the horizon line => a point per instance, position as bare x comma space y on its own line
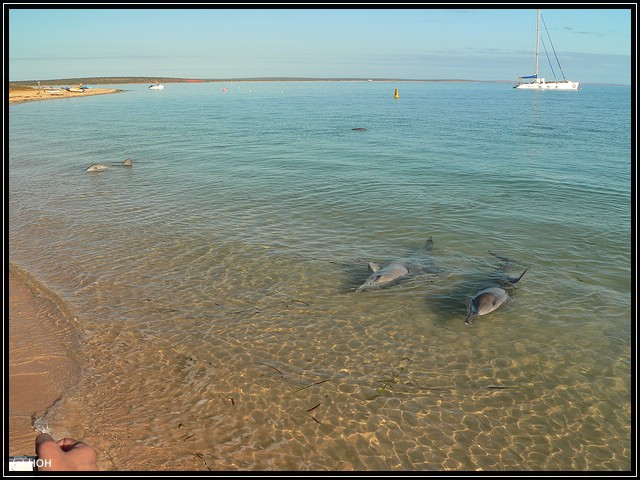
146, 79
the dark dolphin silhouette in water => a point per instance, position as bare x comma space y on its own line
101, 167
395, 272
489, 299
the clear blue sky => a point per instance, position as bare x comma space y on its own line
593, 44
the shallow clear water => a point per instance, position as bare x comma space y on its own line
213, 282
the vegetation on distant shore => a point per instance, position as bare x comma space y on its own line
17, 87
125, 80
95, 81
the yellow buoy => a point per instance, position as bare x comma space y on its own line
395, 95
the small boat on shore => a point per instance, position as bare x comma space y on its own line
75, 89
156, 86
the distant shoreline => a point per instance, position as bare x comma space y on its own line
150, 80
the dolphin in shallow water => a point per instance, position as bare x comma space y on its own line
101, 167
393, 273
489, 299
97, 167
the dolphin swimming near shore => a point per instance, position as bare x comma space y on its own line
393, 273
489, 299
97, 167
101, 167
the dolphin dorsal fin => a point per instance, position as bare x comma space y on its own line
374, 267
521, 275
428, 245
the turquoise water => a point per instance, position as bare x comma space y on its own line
213, 282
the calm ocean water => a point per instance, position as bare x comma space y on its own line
213, 282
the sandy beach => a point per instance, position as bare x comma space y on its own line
42, 343
28, 94
42, 347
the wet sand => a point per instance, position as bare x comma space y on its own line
42, 347
27, 94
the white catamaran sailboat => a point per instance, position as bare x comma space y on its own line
534, 82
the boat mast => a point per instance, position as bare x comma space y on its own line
537, 40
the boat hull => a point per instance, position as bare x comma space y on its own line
567, 85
